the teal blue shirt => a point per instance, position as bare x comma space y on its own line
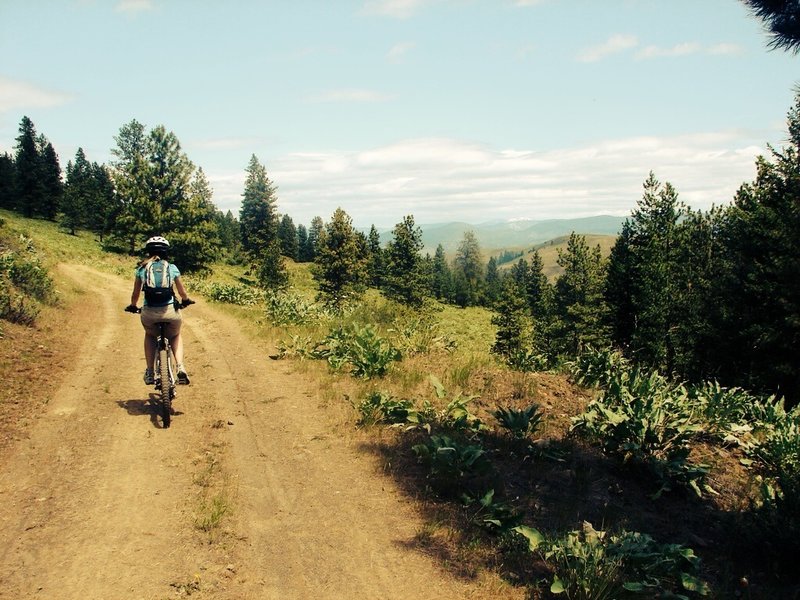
174, 273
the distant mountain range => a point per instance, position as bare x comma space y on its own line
511, 235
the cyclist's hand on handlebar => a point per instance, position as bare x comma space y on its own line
131, 308
186, 302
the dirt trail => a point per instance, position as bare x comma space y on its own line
99, 502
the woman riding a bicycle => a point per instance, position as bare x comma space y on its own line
155, 276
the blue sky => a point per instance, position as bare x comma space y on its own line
470, 110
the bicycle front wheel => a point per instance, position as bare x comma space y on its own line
166, 400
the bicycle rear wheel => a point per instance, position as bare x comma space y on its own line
166, 398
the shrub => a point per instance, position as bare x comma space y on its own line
592, 564
520, 423
597, 367
452, 465
381, 407
368, 354
241, 295
286, 308
646, 420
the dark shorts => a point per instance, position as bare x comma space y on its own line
153, 315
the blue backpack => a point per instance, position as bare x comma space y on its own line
157, 283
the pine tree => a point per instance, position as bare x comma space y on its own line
340, 268
139, 216
51, 183
494, 281
404, 280
441, 284
302, 242
160, 192
643, 277
8, 182
104, 206
74, 204
468, 266
580, 307
377, 261
312, 244
287, 235
758, 285
539, 292
229, 235
258, 219
514, 330
28, 170
194, 235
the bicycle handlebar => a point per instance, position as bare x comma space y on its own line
136, 309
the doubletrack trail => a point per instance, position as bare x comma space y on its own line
97, 501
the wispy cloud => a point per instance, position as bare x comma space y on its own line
399, 51
614, 45
621, 43
350, 95
134, 7
16, 94
688, 49
397, 9
440, 179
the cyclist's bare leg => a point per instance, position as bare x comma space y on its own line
176, 343
150, 347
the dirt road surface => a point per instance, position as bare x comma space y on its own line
248, 495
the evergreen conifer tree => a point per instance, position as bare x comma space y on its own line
340, 267
405, 278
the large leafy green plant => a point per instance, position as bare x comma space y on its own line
596, 565
647, 420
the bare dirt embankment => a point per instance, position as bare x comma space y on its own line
250, 494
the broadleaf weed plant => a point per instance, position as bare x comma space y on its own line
645, 419
520, 423
597, 565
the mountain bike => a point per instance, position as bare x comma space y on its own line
164, 371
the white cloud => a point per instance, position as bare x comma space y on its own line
350, 95
133, 7
398, 9
439, 179
614, 45
16, 95
398, 52
688, 49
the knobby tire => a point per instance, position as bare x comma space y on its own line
166, 400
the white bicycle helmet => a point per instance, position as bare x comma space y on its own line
156, 244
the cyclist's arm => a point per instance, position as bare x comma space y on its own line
181, 289
137, 289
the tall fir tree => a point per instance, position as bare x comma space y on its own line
405, 278
8, 182
580, 306
643, 277
29, 191
468, 270
441, 284
514, 328
302, 242
377, 259
258, 220
77, 188
340, 266
287, 234
194, 233
494, 282
758, 286
50, 179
